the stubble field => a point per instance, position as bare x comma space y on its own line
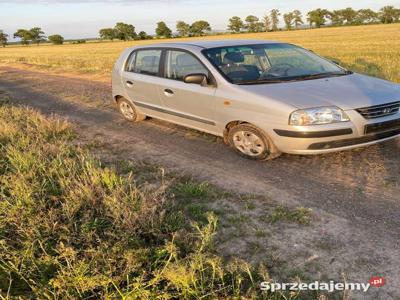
372, 49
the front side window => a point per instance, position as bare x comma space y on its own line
146, 62
263, 63
180, 63
130, 64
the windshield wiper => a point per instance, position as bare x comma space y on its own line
295, 78
260, 81
323, 75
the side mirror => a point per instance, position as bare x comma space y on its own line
196, 79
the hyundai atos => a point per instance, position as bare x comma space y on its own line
262, 97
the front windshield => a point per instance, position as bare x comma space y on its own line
270, 63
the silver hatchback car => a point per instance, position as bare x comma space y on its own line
262, 97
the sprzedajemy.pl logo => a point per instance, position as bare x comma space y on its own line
330, 286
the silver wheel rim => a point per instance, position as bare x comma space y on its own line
248, 143
127, 110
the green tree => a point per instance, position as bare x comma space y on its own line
124, 31
183, 28
389, 14
253, 24
3, 38
37, 35
108, 34
274, 15
298, 19
235, 24
162, 30
56, 39
24, 35
288, 19
144, 36
266, 23
336, 17
365, 16
199, 28
349, 15
317, 17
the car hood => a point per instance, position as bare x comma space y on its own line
347, 92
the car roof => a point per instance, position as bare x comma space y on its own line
205, 44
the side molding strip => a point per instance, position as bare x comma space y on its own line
174, 113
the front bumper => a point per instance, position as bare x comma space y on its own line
359, 132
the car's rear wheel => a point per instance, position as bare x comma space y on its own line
251, 142
129, 111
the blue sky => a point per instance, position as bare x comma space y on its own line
83, 18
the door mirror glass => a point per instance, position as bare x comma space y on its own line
196, 79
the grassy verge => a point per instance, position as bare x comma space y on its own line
72, 228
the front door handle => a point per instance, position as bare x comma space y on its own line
129, 83
168, 92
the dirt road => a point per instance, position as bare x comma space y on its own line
355, 194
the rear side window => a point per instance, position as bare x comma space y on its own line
180, 63
145, 62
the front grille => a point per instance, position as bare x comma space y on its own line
378, 111
354, 141
382, 126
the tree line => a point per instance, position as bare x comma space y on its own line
315, 18
34, 35
269, 22
126, 32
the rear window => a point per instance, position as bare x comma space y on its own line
145, 62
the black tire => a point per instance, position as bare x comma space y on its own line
129, 111
261, 147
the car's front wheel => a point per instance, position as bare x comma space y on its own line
251, 142
129, 111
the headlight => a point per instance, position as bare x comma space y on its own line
318, 116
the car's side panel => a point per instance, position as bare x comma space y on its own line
233, 104
193, 104
163, 114
189, 102
141, 88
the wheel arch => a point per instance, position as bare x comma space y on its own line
117, 97
230, 125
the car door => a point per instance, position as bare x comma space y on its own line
189, 104
141, 77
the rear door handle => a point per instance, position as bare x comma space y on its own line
129, 83
168, 92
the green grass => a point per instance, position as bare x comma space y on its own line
298, 215
72, 228
191, 189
